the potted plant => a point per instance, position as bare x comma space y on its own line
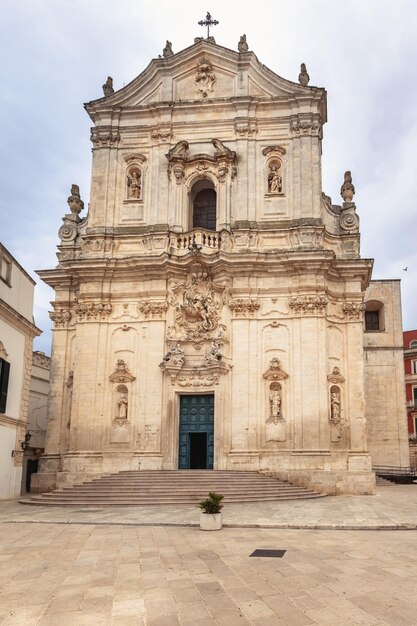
210, 516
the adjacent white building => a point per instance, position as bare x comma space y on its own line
17, 331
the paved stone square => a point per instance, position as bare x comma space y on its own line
67, 565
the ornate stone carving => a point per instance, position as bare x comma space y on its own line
245, 127
244, 307
198, 379
121, 374
213, 353
197, 304
182, 165
60, 317
349, 221
104, 137
205, 78
275, 371
108, 87
353, 310
275, 402
99, 245
303, 77
167, 51
242, 46
347, 190
92, 311
38, 358
68, 232
299, 126
153, 308
134, 157
175, 357
163, 135
336, 376
308, 304
74, 201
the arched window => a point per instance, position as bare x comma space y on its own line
374, 316
204, 200
413, 345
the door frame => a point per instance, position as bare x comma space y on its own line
176, 438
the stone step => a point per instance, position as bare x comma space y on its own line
173, 487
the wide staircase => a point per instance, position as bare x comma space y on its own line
173, 487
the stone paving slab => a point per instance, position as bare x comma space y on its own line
391, 508
108, 575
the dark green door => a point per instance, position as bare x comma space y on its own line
196, 438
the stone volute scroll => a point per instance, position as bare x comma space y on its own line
349, 220
275, 422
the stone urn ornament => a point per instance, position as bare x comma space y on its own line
347, 190
211, 516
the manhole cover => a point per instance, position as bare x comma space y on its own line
278, 554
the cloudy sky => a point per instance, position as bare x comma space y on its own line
56, 54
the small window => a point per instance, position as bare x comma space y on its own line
413, 345
414, 367
415, 396
374, 316
204, 213
4, 384
5, 269
371, 320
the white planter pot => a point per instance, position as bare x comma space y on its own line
210, 521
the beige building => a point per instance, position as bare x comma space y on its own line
209, 308
17, 331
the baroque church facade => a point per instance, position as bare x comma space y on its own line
209, 308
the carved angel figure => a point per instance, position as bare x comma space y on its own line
213, 353
175, 355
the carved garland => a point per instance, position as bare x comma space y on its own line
244, 307
353, 310
60, 317
92, 311
308, 304
153, 308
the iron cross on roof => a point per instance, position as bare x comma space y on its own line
208, 22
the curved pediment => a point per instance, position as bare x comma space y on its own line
204, 71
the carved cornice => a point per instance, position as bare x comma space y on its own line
243, 307
121, 374
274, 150
304, 305
353, 310
92, 311
41, 360
275, 372
134, 157
153, 308
60, 317
336, 377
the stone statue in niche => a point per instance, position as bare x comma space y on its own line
335, 413
213, 354
134, 184
122, 405
347, 190
274, 404
242, 46
274, 178
303, 77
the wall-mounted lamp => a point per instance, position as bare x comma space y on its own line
24, 445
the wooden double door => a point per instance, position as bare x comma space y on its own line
196, 435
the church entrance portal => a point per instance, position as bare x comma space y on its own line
196, 436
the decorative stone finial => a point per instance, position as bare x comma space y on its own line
242, 46
347, 190
167, 51
75, 203
108, 87
303, 77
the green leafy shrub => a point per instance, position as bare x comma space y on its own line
212, 504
